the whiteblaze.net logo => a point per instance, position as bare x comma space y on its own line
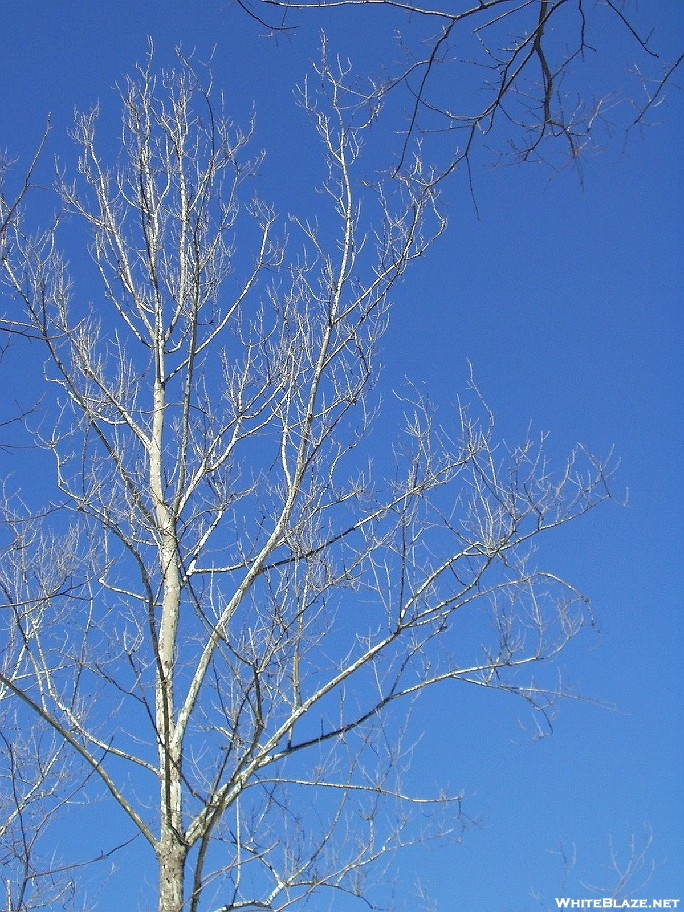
608, 903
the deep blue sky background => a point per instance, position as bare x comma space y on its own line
567, 299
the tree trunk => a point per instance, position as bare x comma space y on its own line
171, 856
171, 848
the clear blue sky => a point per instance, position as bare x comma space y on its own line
567, 300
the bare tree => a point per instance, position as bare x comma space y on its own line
36, 776
9, 207
627, 876
239, 598
10, 210
33, 782
510, 73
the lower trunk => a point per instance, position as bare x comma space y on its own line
171, 856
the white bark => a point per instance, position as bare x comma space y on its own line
251, 601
